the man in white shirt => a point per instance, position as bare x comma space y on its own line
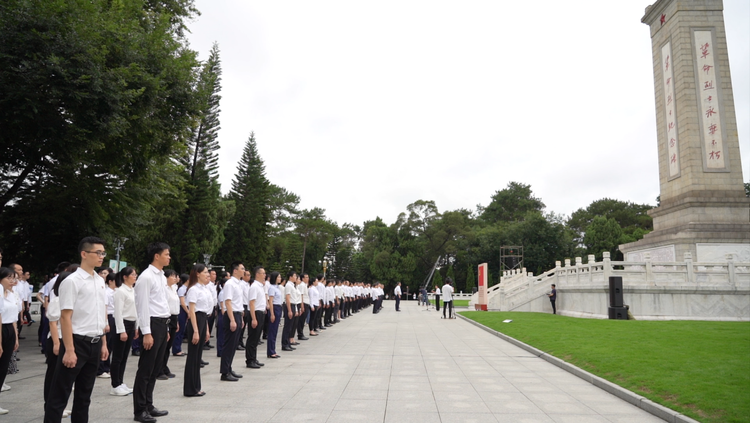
232, 321
314, 306
257, 309
305, 306
290, 312
448, 298
397, 296
215, 312
245, 282
322, 295
83, 320
152, 308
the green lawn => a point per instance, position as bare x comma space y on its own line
460, 303
701, 369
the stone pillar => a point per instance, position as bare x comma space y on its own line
482, 284
703, 208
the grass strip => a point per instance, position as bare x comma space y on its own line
460, 303
698, 368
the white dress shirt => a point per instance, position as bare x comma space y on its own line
84, 294
9, 307
53, 315
201, 297
151, 297
397, 291
321, 291
258, 294
110, 300
245, 292
173, 299
124, 307
304, 292
314, 296
233, 293
447, 293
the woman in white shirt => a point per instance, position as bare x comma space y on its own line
274, 315
200, 305
173, 300
123, 329
9, 315
109, 302
182, 318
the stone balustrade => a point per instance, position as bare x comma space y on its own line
653, 290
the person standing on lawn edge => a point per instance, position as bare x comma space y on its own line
552, 298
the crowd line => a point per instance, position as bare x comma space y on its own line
93, 319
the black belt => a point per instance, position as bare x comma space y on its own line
89, 339
165, 320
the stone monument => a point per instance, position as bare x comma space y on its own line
703, 210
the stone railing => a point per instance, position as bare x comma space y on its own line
654, 290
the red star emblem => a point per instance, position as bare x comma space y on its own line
663, 19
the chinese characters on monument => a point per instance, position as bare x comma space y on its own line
669, 111
707, 92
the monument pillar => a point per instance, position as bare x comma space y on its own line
482, 279
703, 210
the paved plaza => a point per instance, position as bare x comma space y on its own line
409, 367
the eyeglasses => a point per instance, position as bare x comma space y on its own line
98, 253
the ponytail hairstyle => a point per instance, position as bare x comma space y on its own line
112, 277
61, 277
122, 274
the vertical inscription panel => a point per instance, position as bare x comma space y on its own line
709, 103
670, 112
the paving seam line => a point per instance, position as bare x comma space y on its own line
639, 401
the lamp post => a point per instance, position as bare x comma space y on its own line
325, 266
120, 246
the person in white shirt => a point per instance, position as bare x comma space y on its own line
329, 297
181, 318
290, 297
304, 306
152, 308
245, 282
314, 306
9, 317
274, 314
83, 320
448, 298
322, 295
123, 329
397, 295
437, 298
232, 322
109, 291
173, 299
257, 309
200, 305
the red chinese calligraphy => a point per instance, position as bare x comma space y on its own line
666, 63
669, 99
674, 158
707, 68
709, 98
713, 143
714, 155
671, 126
708, 85
710, 112
704, 51
669, 80
671, 142
712, 129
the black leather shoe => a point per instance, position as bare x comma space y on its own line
136, 353
155, 412
206, 347
274, 356
235, 374
162, 377
253, 365
205, 363
302, 338
144, 417
259, 363
287, 349
240, 348
228, 378
171, 375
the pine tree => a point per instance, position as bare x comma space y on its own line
200, 230
470, 279
437, 279
449, 273
246, 235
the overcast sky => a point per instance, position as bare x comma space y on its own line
362, 108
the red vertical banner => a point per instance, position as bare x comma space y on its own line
481, 275
482, 291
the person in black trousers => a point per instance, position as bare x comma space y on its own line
200, 302
174, 325
8, 318
123, 328
552, 298
152, 308
257, 308
232, 321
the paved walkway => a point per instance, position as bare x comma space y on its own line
408, 367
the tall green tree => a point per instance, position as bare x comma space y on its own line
246, 233
511, 204
602, 235
470, 279
632, 218
97, 96
200, 229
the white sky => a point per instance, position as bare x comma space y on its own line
362, 108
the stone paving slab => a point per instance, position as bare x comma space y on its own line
410, 367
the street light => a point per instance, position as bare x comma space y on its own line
120, 246
325, 266
207, 259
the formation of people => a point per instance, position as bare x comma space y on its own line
96, 317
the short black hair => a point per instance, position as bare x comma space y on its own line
320, 276
291, 273
122, 274
5, 272
255, 271
169, 272
554, 285
155, 248
235, 265
88, 242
